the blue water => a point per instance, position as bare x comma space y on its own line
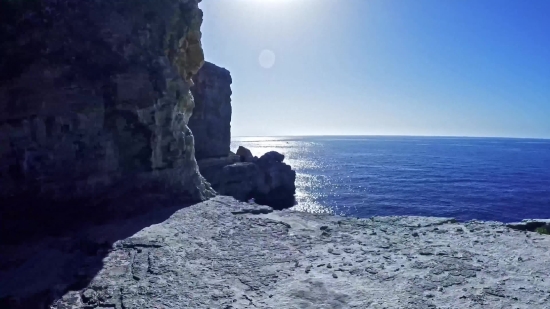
466, 178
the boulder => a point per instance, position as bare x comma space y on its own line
273, 156
278, 187
245, 154
268, 180
240, 180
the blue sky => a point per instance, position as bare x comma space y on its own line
399, 67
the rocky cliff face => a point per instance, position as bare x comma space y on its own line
211, 119
267, 179
95, 101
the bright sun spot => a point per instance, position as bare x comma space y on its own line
267, 58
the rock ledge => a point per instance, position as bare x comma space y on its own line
226, 254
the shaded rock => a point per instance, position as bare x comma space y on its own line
278, 186
272, 156
240, 180
94, 104
211, 119
268, 180
245, 154
212, 169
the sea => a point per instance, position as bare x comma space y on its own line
490, 179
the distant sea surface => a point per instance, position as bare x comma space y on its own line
465, 178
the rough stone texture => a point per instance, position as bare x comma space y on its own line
241, 180
268, 180
226, 254
277, 185
94, 95
211, 119
530, 224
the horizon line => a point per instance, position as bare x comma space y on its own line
392, 135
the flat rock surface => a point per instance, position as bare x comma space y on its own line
226, 254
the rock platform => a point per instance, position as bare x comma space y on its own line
227, 254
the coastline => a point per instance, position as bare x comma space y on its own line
227, 254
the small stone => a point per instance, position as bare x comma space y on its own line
308, 269
334, 275
89, 296
329, 265
415, 234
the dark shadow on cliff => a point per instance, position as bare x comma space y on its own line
48, 250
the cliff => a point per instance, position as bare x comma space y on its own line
94, 106
266, 179
211, 119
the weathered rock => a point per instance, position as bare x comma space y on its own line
211, 119
272, 156
268, 180
225, 254
95, 101
240, 180
245, 154
212, 168
530, 224
278, 186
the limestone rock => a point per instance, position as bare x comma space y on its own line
95, 102
272, 156
226, 254
268, 180
278, 186
211, 119
245, 154
240, 180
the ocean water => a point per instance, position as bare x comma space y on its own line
465, 178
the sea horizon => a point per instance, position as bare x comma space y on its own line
484, 178
394, 135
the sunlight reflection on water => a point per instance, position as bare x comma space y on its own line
465, 178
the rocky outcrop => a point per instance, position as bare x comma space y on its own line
95, 102
226, 254
245, 154
211, 119
267, 179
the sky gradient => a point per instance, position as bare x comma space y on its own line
397, 67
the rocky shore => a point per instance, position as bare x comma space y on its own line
114, 142
227, 254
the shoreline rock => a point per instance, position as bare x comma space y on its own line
267, 179
227, 254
